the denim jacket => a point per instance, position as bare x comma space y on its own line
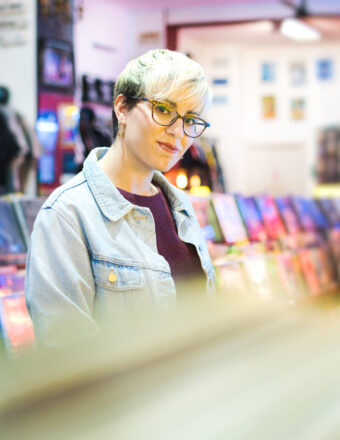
93, 251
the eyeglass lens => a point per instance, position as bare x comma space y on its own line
164, 115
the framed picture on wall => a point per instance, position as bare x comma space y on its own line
56, 65
268, 72
298, 109
297, 73
268, 107
324, 69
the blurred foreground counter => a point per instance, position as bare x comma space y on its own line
214, 369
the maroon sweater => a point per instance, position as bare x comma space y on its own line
182, 257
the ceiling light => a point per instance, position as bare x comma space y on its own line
298, 30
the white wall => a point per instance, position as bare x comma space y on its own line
215, 13
102, 39
276, 156
147, 22
18, 60
155, 20
257, 155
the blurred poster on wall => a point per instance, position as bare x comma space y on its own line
298, 109
268, 72
297, 74
324, 69
268, 107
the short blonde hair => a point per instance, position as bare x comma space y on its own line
160, 74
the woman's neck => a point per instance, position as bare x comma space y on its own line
123, 174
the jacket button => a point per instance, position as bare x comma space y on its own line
112, 277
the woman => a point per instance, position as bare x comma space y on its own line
118, 234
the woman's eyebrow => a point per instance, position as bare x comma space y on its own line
173, 104
192, 113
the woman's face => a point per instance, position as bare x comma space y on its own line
153, 146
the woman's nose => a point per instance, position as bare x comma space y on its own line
176, 128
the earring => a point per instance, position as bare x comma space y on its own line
121, 130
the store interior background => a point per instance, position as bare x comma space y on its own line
277, 156
274, 373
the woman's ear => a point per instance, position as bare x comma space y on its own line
120, 108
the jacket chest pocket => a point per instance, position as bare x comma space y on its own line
117, 277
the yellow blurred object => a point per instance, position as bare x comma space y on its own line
195, 181
112, 277
329, 190
70, 110
181, 180
201, 191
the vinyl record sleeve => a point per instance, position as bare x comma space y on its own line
11, 239
229, 218
271, 217
252, 218
17, 325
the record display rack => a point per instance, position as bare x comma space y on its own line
17, 215
283, 249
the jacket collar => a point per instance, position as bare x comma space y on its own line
113, 205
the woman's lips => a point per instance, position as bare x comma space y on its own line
168, 147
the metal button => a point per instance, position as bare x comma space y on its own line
112, 277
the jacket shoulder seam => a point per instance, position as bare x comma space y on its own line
70, 223
63, 191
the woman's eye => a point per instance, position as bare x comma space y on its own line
162, 110
190, 121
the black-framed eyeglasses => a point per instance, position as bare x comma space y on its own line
164, 114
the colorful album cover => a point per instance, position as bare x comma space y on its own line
334, 244
30, 208
324, 268
207, 218
26, 210
271, 217
258, 276
290, 275
288, 214
278, 292
229, 218
11, 240
310, 216
201, 208
336, 203
252, 218
12, 282
213, 220
329, 210
320, 219
16, 323
309, 271
303, 209
230, 278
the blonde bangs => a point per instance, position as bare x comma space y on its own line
181, 80
162, 74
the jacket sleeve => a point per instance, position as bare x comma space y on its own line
59, 283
